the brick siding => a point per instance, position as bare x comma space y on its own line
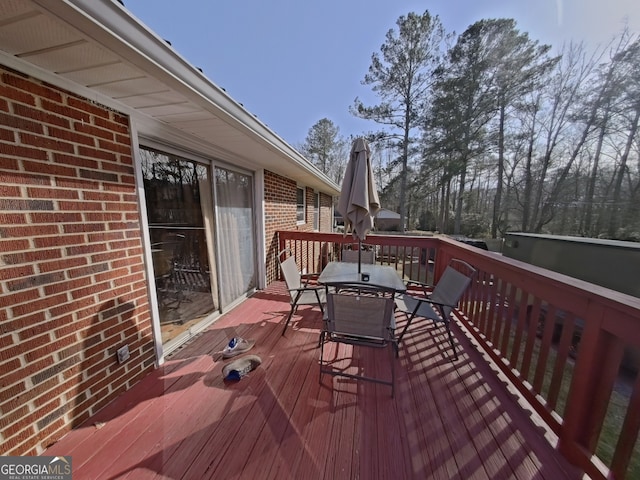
280, 214
72, 283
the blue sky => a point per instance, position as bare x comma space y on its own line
293, 62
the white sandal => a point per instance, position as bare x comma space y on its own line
236, 346
240, 367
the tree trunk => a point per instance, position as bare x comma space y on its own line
614, 219
443, 203
403, 174
591, 186
456, 228
498, 197
528, 181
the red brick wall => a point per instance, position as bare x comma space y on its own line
326, 213
280, 214
72, 282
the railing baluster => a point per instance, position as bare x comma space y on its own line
498, 316
562, 354
520, 326
545, 346
533, 317
507, 320
487, 302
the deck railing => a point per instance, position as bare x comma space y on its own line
571, 348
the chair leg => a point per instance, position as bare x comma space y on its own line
394, 346
286, 324
404, 330
319, 302
394, 343
453, 345
321, 355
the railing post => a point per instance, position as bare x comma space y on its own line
441, 262
596, 369
624, 450
281, 246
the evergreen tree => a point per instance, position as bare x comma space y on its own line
520, 66
326, 149
463, 104
401, 75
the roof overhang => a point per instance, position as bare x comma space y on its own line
98, 49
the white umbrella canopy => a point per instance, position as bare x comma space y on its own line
359, 200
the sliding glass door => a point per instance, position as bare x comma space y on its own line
180, 218
235, 234
202, 237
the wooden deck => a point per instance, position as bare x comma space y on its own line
449, 419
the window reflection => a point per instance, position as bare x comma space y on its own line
176, 193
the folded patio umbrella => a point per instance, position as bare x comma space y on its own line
359, 200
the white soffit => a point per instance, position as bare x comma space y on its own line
99, 46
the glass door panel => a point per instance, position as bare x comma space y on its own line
179, 210
235, 234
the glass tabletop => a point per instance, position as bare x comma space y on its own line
344, 272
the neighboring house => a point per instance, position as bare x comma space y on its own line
386, 220
135, 195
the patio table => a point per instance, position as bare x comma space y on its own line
336, 273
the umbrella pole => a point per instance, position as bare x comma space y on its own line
359, 257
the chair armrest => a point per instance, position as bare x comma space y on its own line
428, 300
310, 275
438, 303
305, 288
307, 277
416, 282
425, 287
412, 307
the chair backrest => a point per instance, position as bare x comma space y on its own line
359, 314
291, 274
452, 285
351, 256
